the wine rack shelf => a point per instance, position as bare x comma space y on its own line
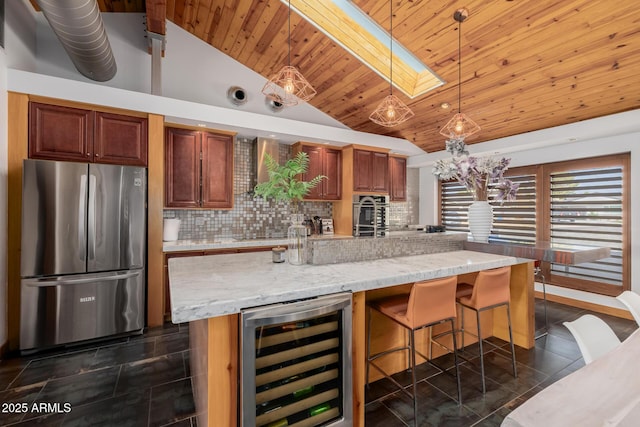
296, 364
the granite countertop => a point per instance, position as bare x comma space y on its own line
217, 285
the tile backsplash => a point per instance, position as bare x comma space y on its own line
402, 214
251, 217
254, 217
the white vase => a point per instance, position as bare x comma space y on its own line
480, 220
297, 240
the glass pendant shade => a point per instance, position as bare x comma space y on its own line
289, 87
459, 127
390, 112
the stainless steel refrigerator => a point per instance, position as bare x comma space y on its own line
83, 252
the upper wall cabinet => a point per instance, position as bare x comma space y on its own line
198, 169
370, 171
74, 134
325, 161
397, 179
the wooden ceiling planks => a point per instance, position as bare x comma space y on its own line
525, 65
130, 6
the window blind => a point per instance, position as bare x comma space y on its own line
513, 221
586, 210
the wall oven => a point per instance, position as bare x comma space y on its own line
296, 363
370, 215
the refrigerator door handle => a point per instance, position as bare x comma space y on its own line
91, 219
43, 283
82, 206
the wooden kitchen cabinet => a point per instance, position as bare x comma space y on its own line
75, 134
217, 171
325, 161
120, 139
198, 169
370, 171
397, 179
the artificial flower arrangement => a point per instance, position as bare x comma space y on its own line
482, 176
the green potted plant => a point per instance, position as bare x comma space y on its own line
285, 184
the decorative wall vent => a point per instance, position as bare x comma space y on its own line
237, 95
273, 105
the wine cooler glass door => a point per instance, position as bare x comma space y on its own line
296, 363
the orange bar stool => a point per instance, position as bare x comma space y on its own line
429, 303
490, 290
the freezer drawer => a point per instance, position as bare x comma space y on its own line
66, 309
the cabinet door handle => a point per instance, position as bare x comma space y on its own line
97, 155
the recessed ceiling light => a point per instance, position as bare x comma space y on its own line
202, 125
445, 105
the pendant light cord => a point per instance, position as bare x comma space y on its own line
289, 33
391, 47
459, 64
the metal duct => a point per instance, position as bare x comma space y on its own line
78, 25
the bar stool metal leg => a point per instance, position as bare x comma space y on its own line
462, 326
412, 343
455, 360
368, 345
538, 272
484, 388
513, 350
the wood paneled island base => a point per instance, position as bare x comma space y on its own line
215, 340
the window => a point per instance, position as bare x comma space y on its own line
576, 203
587, 205
513, 221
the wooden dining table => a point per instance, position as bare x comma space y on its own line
605, 392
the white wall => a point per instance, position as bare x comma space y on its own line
20, 35
554, 147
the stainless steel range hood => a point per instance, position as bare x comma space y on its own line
264, 146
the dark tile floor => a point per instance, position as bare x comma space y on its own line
554, 356
142, 380
145, 381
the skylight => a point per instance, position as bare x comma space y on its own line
357, 33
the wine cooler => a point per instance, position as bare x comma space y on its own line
296, 363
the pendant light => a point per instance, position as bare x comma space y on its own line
391, 111
460, 126
289, 87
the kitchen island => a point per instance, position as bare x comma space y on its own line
210, 291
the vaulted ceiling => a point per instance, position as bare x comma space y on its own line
526, 65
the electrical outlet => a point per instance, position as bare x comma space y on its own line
200, 221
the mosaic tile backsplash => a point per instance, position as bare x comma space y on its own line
328, 251
254, 217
